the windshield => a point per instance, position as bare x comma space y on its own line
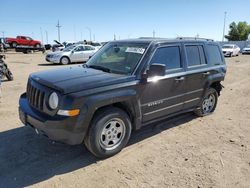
227, 47
95, 44
69, 48
119, 58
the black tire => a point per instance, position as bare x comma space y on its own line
64, 62
208, 110
94, 138
37, 45
13, 44
9, 76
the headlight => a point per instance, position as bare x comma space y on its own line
53, 101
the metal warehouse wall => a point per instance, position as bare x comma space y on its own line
241, 44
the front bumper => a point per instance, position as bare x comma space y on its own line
58, 128
227, 53
52, 60
246, 52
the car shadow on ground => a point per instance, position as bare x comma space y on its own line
27, 159
49, 64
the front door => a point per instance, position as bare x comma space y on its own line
78, 54
162, 96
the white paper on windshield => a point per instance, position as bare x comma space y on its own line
135, 50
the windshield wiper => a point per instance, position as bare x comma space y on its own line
98, 67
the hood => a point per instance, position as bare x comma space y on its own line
246, 48
36, 41
57, 42
77, 78
58, 53
227, 50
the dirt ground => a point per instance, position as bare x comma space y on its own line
186, 151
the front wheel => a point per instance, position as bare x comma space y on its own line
109, 132
9, 75
64, 60
14, 45
208, 103
37, 45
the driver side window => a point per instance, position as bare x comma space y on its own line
79, 49
169, 56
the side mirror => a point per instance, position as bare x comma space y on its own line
156, 70
72, 51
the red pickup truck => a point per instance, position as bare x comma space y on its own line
23, 41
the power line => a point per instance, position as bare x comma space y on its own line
58, 30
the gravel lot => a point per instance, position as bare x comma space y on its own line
186, 151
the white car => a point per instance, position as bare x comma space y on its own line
71, 54
246, 50
96, 45
230, 50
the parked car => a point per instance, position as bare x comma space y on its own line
23, 41
246, 50
3, 45
97, 45
71, 54
230, 50
126, 85
60, 46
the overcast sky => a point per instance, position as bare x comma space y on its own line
124, 18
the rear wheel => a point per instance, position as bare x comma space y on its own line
64, 60
109, 132
208, 103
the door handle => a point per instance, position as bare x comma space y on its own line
205, 73
180, 79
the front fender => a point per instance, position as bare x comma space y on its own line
128, 96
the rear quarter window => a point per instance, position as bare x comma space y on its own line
214, 55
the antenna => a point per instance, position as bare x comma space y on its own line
58, 30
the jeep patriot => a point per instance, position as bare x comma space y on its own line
127, 84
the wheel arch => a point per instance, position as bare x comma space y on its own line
66, 57
217, 86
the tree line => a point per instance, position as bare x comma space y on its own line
238, 31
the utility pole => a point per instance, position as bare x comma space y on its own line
90, 33
223, 36
114, 37
41, 31
3, 33
46, 32
153, 33
58, 30
94, 37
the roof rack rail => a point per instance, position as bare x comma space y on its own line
194, 38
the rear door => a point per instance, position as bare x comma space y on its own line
197, 73
88, 51
162, 96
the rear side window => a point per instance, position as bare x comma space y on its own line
170, 56
195, 55
214, 54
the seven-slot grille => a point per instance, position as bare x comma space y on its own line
35, 97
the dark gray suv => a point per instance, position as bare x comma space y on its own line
126, 85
